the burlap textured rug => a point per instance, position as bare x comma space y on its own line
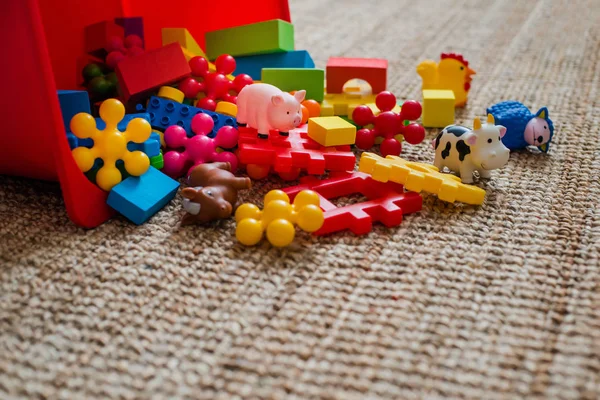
490, 302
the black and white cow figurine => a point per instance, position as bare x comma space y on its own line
465, 151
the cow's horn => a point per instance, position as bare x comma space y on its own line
476, 123
490, 119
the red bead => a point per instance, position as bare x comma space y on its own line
133, 41
414, 133
225, 64
241, 81
385, 101
199, 66
207, 104
390, 147
362, 115
134, 51
114, 43
113, 58
189, 87
365, 139
386, 123
411, 110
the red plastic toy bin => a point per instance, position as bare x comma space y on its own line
42, 40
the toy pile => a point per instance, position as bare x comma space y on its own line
158, 115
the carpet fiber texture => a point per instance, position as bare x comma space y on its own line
500, 301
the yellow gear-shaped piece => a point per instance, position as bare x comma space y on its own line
417, 177
110, 144
278, 218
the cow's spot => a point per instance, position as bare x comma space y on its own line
446, 151
437, 139
457, 130
463, 149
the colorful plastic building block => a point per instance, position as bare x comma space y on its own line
451, 73
185, 39
198, 149
523, 128
388, 124
288, 79
214, 85
465, 151
386, 202
287, 156
343, 104
331, 131
165, 112
158, 161
139, 76
99, 35
212, 193
227, 108
253, 65
340, 70
259, 38
110, 144
418, 177
265, 107
138, 198
278, 218
150, 147
132, 26
72, 102
438, 108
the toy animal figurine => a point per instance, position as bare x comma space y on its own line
465, 151
264, 107
451, 73
522, 127
213, 193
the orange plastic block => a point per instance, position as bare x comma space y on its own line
418, 177
340, 70
331, 131
110, 144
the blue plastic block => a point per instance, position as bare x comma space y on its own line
165, 112
72, 102
75, 142
139, 198
252, 65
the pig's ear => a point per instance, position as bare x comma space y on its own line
277, 99
471, 139
502, 130
300, 95
188, 193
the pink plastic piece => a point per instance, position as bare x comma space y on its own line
198, 149
388, 124
214, 85
118, 49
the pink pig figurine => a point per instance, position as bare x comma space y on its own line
264, 107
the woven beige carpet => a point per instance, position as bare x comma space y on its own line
500, 301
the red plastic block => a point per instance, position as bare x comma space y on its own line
140, 75
289, 155
386, 203
97, 36
340, 70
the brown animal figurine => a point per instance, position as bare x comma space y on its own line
212, 194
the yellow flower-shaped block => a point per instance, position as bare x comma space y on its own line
417, 177
278, 218
110, 144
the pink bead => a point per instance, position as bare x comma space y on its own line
227, 137
175, 136
202, 124
385, 101
113, 58
174, 164
134, 51
114, 43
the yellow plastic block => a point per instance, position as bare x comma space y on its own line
184, 38
227, 108
343, 104
331, 131
418, 177
438, 108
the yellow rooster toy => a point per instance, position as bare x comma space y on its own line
451, 73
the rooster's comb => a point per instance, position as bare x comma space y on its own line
457, 57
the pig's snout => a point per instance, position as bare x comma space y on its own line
297, 121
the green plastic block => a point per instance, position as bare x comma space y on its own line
287, 79
158, 161
246, 40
